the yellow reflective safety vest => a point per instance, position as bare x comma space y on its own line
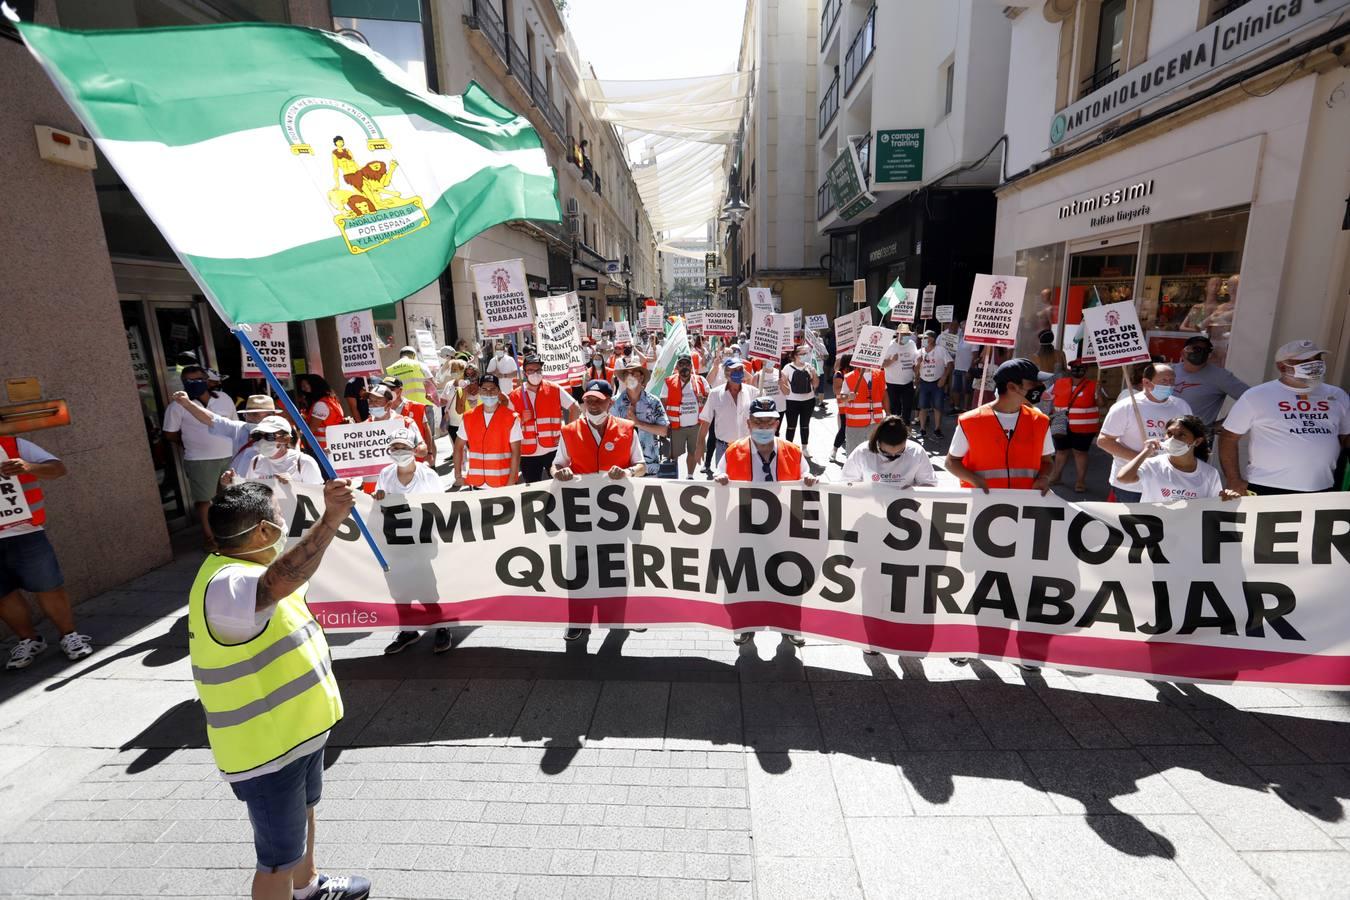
409, 371
265, 696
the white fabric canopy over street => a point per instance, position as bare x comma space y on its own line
678, 133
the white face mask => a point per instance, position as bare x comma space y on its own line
378, 412
632, 382
1175, 446
266, 449
597, 419
489, 400
279, 545
402, 457
499, 353
1312, 372
534, 378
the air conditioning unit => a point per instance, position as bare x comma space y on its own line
572, 208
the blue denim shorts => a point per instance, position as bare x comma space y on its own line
278, 806
930, 395
28, 562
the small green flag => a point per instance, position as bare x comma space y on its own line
894, 294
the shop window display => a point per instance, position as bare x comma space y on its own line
1043, 268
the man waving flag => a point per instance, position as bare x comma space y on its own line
297, 174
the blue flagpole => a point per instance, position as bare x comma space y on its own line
300, 423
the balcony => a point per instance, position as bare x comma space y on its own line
1227, 8
828, 16
598, 192
860, 50
824, 200
1100, 78
829, 106
865, 158
487, 21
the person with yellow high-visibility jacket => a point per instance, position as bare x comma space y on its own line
417, 379
265, 678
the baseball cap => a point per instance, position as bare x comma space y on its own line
401, 436
213, 375
407, 349
272, 425
532, 359
392, 382
380, 392
732, 363
1197, 339
598, 387
446, 352
489, 379
684, 357
763, 408
258, 403
1297, 351
1018, 370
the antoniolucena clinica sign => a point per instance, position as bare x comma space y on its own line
1243, 31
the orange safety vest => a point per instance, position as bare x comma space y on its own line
740, 455
29, 485
540, 421
489, 447
588, 457
334, 417
418, 413
675, 396
861, 411
696, 359
1004, 463
1081, 402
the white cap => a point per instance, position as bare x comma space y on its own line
273, 425
402, 436
1297, 351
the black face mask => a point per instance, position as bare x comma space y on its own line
196, 389
1196, 356
1034, 394
1077, 373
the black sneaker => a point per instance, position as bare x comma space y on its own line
404, 640
342, 887
574, 634
442, 642
796, 640
871, 653
742, 639
960, 660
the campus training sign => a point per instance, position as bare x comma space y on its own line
362, 448
503, 295
872, 343
1248, 591
359, 346
995, 308
1115, 335
273, 342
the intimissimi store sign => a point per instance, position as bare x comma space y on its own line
1246, 29
1105, 202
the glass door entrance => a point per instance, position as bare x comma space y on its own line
1101, 273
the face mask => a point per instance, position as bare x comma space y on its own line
499, 353
1162, 391
196, 389
632, 383
597, 419
1034, 394
1197, 357
736, 377
684, 374
378, 412
762, 436
401, 457
1312, 371
534, 378
490, 400
266, 449
598, 361
1174, 446
735, 354
279, 545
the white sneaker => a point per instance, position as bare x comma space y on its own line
76, 645
24, 652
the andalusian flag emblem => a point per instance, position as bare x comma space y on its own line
297, 174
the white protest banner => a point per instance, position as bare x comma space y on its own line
362, 448
797, 320
358, 344
766, 341
904, 304
654, 319
926, 301
872, 343
597, 334
847, 326
1249, 591
817, 323
779, 322
995, 309
622, 333
949, 341
555, 338
426, 347
721, 322
503, 296
944, 313
761, 300
273, 341
1114, 335
859, 291
693, 321
14, 508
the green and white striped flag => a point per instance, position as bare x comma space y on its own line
297, 174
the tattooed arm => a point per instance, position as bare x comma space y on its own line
289, 572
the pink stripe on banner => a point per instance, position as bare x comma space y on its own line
1161, 658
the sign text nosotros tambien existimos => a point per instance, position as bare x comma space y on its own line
1248, 590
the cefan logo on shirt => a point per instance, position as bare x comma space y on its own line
1167, 492
876, 477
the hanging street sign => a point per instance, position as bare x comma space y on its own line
851, 196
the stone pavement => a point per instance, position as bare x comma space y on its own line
673, 764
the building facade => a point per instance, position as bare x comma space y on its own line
1188, 157
915, 90
685, 282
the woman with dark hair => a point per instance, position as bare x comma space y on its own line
320, 405
890, 458
1180, 469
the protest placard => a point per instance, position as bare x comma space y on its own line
949, 341
622, 333
859, 291
797, 320
654, 319
1186, 591
273, 342
761, 300
426, 347
926, 301
503, 296
817, 322
766, 337
721, 322
361, 448
1114, 335
944, 313
14, 507
597, 334
995, 309
555, 338
903, 303
693, 321
847, 326
872, 343
358, 344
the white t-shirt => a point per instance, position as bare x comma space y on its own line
912, 469
689, 401
565, 459
1121, 424
198, 441
959, 446
729, 415
769, 386
294, 465
505, 369
965, 354
899, 362
1162, 482
567, 401
1295, 438
32, 453
933, 363
424, 480
232, 615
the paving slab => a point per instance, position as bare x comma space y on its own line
953, 857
